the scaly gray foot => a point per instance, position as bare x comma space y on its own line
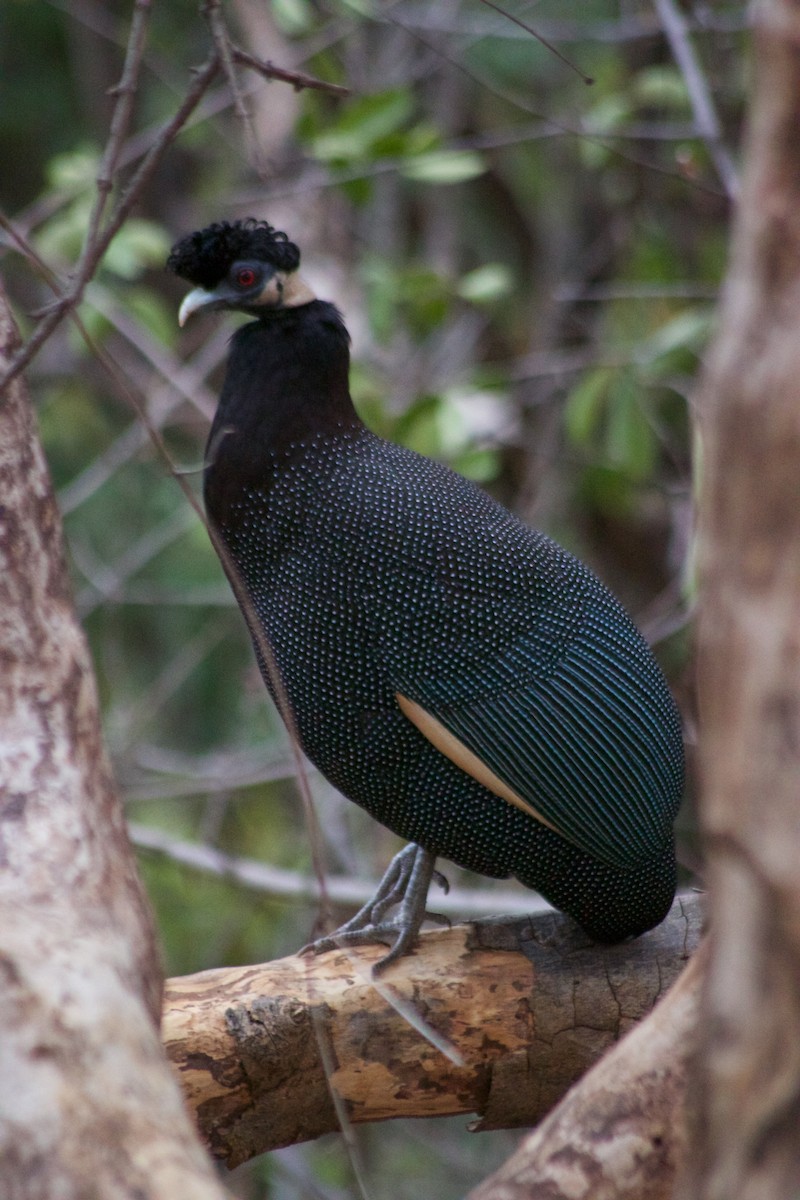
405, 882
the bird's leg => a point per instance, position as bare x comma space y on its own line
405, 882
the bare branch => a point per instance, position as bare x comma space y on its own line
505, 1015
676, 28
95, 250
108, 580
124, 92
224, 48
539, 38
344, 890
298, 79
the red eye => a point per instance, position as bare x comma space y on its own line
246, 277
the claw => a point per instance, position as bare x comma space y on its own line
405, 882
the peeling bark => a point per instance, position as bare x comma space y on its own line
87, 1105
527, 1005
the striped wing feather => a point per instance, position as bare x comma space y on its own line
591, 751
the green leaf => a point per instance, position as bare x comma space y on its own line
421, 138
382, 297
602, 119
486, 284
431, 426
629, 439
293, 17
361, 124
150, 308
62, 236
585, 406
425, 298
481, 465
358, 191
607, 489
608, 114
688, 330
662, 87
363, 8
444, 166
138, 245
93, 320
74, 171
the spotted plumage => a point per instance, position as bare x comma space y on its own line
385, 585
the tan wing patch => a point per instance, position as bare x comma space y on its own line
450, 746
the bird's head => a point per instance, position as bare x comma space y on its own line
245, 265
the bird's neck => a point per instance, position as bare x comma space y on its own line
286, 383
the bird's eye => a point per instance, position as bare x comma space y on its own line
245, 277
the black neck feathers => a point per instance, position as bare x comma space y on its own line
286, 382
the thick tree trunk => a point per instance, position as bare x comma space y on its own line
87, 1105
747, 1126
498, 1019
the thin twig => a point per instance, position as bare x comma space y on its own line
162, 403
542, 40
607, 141
251, 616
96, 246
224, 46
676, 30
94, 252
330, 1065
636, 25
240, 592
298, 79
129, 720
107, 580
124, 92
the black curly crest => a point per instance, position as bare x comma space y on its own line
205, 257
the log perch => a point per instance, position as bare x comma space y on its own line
498, 1018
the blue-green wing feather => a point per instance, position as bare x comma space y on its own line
593, 744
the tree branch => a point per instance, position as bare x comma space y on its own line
100, 236
620, 1134
676, 30
498, 1019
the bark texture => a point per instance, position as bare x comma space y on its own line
87, 1105
747, 1123
620, 1134
524, 1007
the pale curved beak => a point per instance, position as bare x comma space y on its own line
191, 303
279, 291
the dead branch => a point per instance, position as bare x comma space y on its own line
298, 79
498, 1019
87, 1105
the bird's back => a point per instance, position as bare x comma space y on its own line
376, 572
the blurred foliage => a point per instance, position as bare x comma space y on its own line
528, 266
